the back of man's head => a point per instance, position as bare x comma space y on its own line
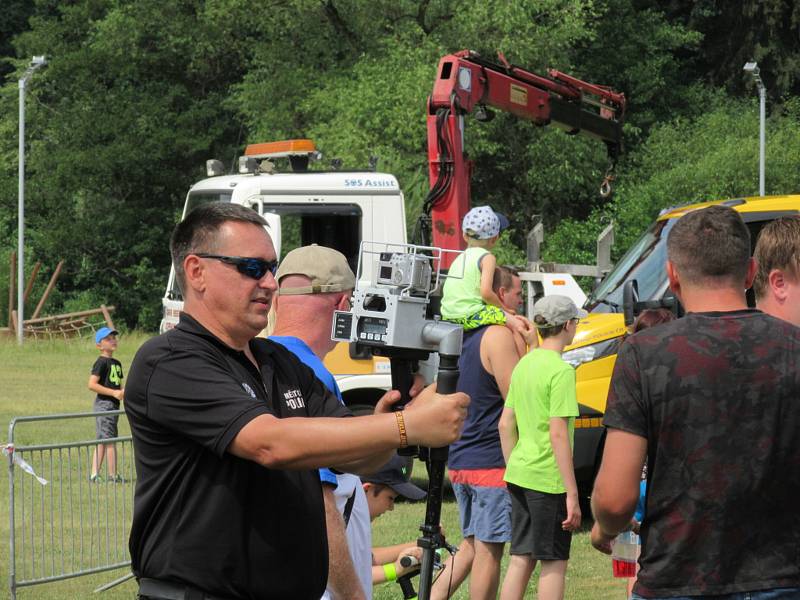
778, 247
324, 269
710, 247
198, 232
313, 283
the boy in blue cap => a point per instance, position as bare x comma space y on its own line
106, 382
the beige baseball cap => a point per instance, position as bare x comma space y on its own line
325, 267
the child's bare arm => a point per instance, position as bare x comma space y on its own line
559, 439
509, 435
94, 385
487, 266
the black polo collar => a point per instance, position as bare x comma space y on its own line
260, 348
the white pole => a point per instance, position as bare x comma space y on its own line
21, 221
762, 97
36, 62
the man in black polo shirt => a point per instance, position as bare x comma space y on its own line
713, 401
228, 502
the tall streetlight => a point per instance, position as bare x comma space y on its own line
752, 68
36, 62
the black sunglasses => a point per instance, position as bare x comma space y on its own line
254, 268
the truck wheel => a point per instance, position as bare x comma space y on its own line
362, 401
361, 409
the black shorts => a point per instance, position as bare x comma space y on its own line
536, 519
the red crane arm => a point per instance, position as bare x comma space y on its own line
467, 83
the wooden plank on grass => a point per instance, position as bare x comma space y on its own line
28, 287
49, 289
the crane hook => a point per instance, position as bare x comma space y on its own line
605, 186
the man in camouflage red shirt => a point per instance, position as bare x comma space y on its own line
713, 401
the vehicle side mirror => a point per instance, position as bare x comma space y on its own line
632, 307
630, 299
670, 301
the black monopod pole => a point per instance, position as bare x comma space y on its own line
431, 538
402, 378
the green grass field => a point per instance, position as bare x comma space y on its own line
50, 377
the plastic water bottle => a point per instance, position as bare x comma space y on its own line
623, 554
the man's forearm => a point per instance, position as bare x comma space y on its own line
368, 465
432, 420
303, 443
611, 524
616, 487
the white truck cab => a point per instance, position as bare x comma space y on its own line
337, 209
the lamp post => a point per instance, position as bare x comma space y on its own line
752, 68
36, 62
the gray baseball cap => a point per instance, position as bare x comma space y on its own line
556, 310
325, 267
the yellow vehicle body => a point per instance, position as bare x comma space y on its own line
594, 349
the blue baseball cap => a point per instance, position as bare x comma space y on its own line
103, 333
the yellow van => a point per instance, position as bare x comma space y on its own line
594, 349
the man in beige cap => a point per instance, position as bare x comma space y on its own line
314, 281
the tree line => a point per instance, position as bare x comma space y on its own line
139, 93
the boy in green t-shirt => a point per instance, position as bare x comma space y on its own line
536, 433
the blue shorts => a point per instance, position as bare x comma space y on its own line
485, 512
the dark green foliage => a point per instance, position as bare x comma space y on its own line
139, 93
736, 32
119, 125
686, 161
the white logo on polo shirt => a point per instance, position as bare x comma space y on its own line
249, 390
294, 399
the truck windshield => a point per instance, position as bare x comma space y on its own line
193, 200
336, 226
644, 262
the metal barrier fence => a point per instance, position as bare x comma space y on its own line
61, 524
